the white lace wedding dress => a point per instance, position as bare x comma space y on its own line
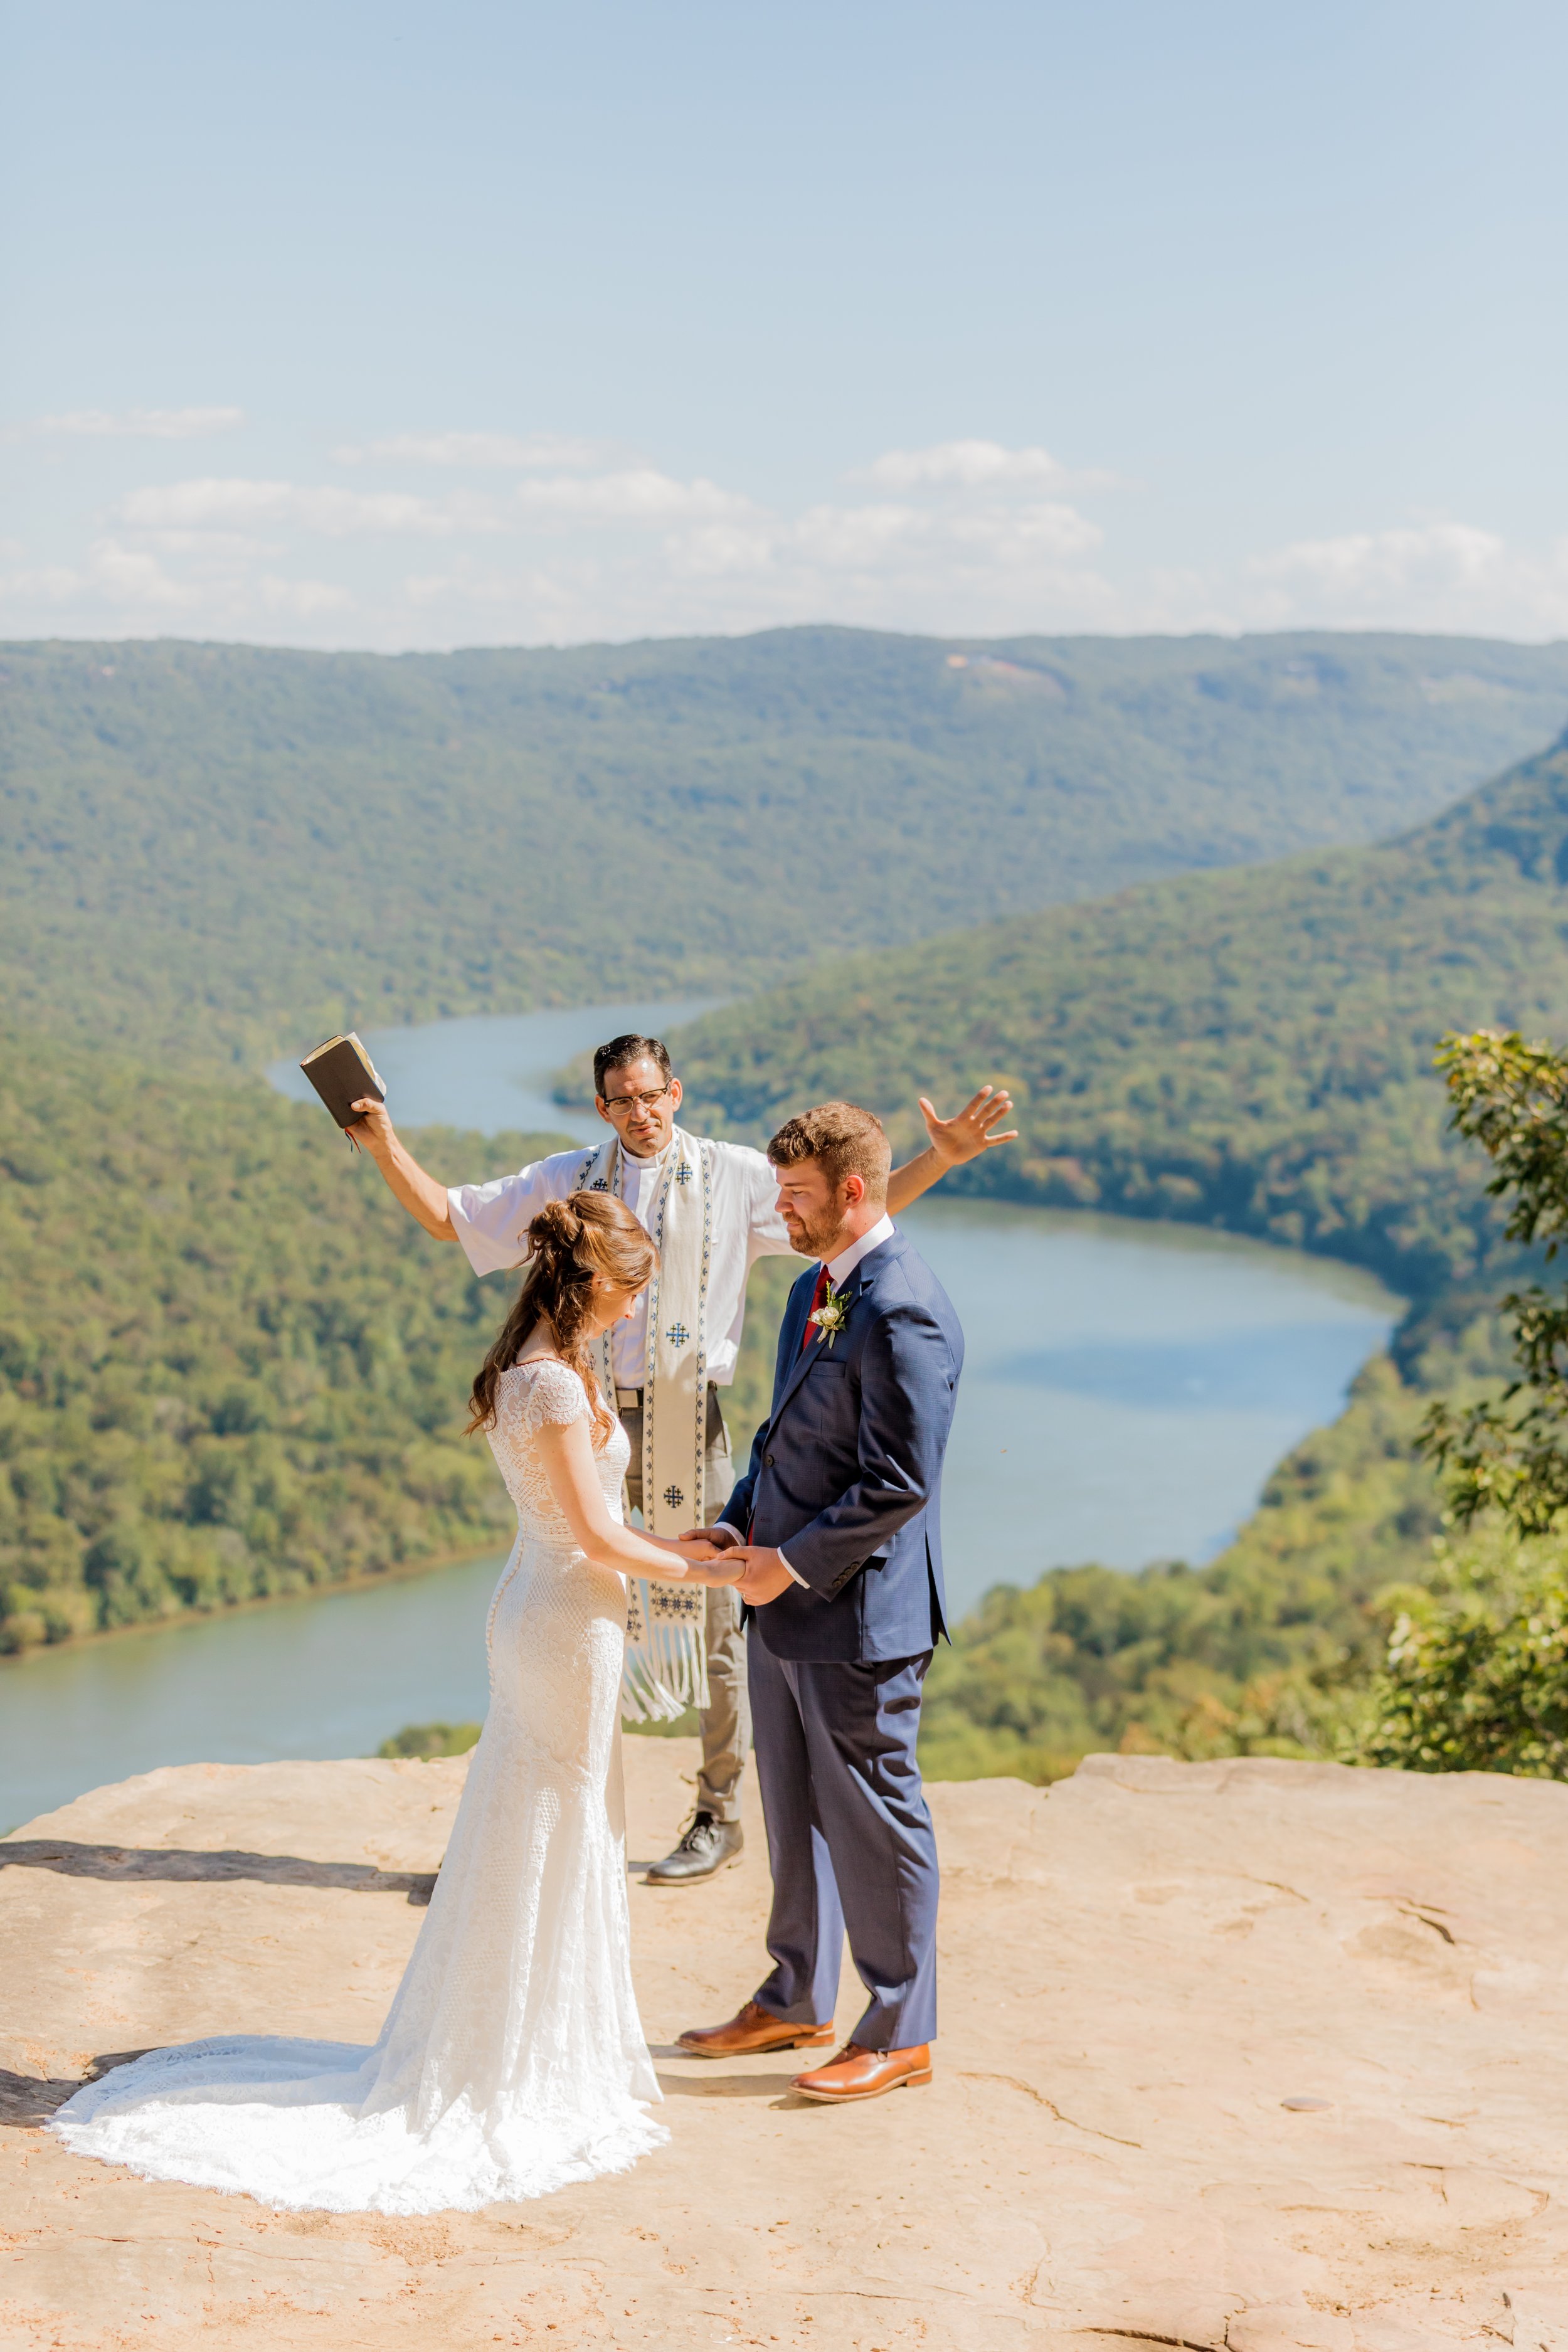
513, 2060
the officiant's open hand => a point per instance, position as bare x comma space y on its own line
971, 1130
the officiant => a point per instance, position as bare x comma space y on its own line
711, 1210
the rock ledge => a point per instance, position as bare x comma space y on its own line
1247, 2057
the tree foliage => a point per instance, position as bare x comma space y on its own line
427, 1740
1476, 1673
1511, 1452
232, 1367
1253, 1654
224, 850
1251, 1049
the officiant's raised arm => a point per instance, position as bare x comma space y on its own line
425, 1200
974, 1129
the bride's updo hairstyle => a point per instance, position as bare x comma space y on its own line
571, 1244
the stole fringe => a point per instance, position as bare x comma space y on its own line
665, 1668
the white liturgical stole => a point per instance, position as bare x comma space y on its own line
667, 1665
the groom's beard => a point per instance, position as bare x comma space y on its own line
815, 1238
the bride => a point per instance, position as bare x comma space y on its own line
513, 2060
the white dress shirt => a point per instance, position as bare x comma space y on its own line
839, 1270
841, 1267
492, 1220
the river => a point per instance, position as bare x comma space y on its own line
1128, 1388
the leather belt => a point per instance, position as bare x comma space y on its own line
630, 1400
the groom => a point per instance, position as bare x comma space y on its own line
836, 1526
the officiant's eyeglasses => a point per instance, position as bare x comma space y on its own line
622, 1104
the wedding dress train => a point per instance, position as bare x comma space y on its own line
513, 2060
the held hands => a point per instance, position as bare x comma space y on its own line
763, 1576
719, 1538
756, 1569
696, 1551
971, 1130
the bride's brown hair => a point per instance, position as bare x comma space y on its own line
570, 1243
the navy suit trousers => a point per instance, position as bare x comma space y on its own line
849, 1840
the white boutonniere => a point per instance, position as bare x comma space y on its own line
832, 1315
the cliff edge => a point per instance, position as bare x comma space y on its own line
1245, 2057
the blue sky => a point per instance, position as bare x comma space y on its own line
394, 327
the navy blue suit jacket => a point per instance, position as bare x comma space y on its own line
845, 1474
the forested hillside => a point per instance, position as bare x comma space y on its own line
1254, 1049
1251, 1048
232, 1367
224, 851
1257, 1650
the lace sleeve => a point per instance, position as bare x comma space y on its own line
543, 1391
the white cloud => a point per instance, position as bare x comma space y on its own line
1448, 576
233, 546
586, 541
972, 545
44, 584
1024, 534
130, 576
893, 543
144, 424
639, 494
465, 586
980, 466
213, 504
127, 587
498, 451
720, 549
853, 539
303, 599
1375, 563
112, 576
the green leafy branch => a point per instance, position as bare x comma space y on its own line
1507, 1453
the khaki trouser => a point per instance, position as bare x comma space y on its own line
727, 1720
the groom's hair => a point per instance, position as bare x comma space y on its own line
844, 1140
621, 1051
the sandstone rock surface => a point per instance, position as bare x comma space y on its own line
1144, 1967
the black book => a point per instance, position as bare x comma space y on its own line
342, 1074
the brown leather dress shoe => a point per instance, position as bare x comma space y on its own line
749, 2030
857, 2074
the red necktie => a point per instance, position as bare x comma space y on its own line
814, 1331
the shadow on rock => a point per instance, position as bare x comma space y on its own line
725, 2086
28, 2100
118, 1862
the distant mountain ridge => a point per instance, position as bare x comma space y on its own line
225, 850
1252, 1048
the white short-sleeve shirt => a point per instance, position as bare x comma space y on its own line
492, 1221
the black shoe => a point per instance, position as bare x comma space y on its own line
706, 1844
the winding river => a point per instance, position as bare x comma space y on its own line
1129, 1386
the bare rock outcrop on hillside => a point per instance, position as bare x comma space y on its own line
1262, 2056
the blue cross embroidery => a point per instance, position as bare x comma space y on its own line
683, 1173
598, 1185
672, 1495
677, 1335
